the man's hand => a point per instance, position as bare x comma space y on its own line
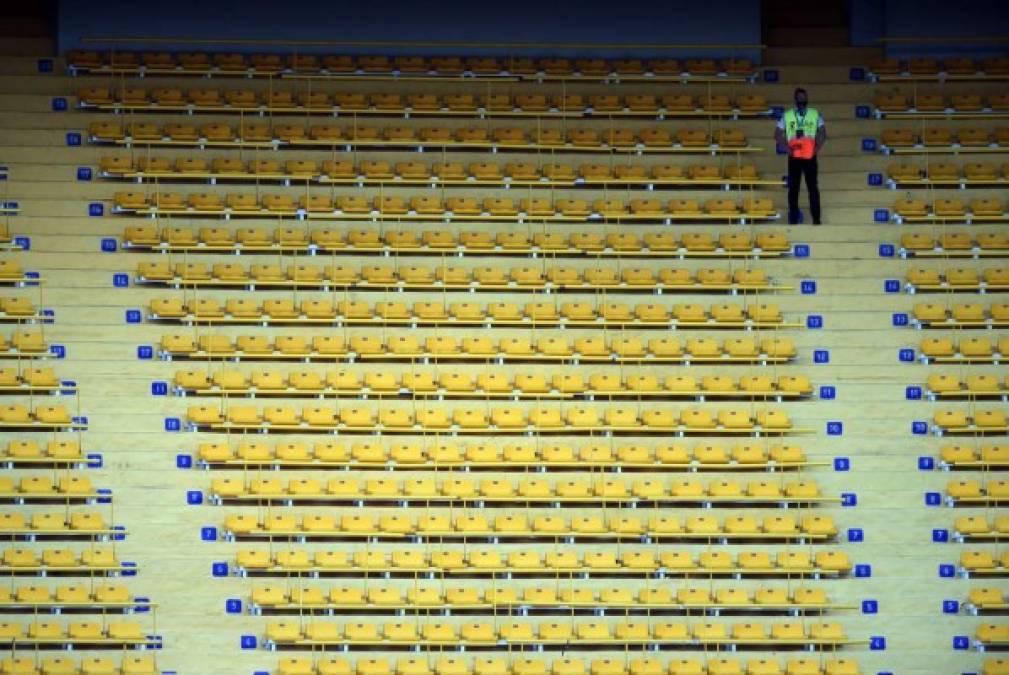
779, 139
821, 139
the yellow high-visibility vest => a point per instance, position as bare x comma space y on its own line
808, 123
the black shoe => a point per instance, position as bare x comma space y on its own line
816, 222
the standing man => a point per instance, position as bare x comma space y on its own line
801, 134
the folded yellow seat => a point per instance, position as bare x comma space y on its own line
973, 137
966, 102
962, 276
168, 96
929, 102
987, 206
744, 172
758, 206
656, 138
204, 201
115, 164
181, 132
910, 207
970, 312
942, 171
980, 171
891, 102
289, 132
688, 207
730, 138
948, 208
131, 200
153, 164
641, 103
258, 133
937, 136
692, 137
957, 241
898, 137
204, 97
930, 312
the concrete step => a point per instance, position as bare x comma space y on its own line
807, 36
27, 46
819, 56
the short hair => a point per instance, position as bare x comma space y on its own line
797, 91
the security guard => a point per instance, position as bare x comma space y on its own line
801, 133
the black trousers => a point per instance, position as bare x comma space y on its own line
797, 168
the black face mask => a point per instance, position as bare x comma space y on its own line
801, 105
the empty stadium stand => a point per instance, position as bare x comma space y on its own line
374, 360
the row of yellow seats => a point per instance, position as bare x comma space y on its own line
962, 455
971, 489
947, 384
981, 349
926, 65
493, 383
450, 454
985, 561
954, 420
590, 349
16, 308
363, 240
626, 139
957, 277
416, 103
426, 207
935, 136
41, 416
88, 665
73, 595
40, 486
117, 632
573, 633
53, 521
987, 597
57, 449
453, 665
23, 344
490, 276
920, 102
476, 560
919, 209
425, 598
406, 64
399, 523
930, 313
576, 489
89, 562
497, 313
953, 242
944, 172
30, 378
498, 418
525, 173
